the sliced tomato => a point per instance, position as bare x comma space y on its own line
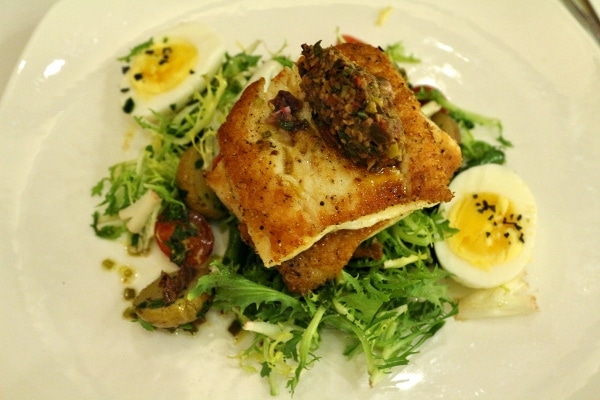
187, 241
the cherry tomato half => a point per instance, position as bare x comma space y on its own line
187, 241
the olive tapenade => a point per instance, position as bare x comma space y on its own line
353, 108
286, 107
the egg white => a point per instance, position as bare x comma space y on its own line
499, 180
210, 51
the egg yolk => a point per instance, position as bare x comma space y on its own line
490, 231
162, 67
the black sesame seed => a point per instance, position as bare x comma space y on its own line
128, 106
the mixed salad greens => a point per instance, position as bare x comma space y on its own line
384, 309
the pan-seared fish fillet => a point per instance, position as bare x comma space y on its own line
325, 259
290, 188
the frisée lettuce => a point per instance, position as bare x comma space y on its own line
384, 308
195, 125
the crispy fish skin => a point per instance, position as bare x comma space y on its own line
292, 190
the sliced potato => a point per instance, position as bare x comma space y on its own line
150, 306
446, 123
198, 196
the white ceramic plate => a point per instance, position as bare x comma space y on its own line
62, 335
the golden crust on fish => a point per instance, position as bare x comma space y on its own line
291, 188
325, 259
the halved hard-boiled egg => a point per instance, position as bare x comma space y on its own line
495, 215
161, 74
